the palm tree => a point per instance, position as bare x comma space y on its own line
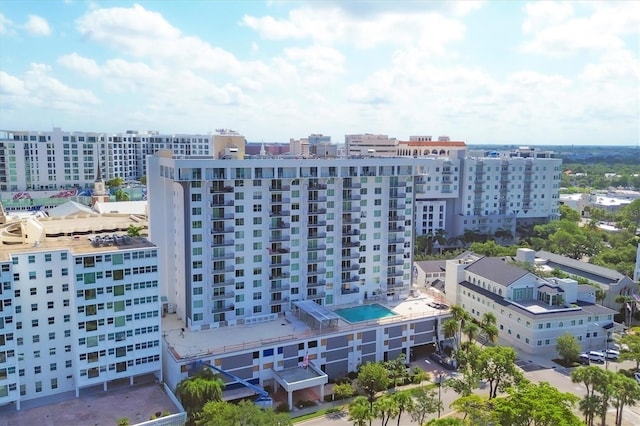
451, 328
194, 392
471, 329
404, 402
134, 231
461, 316
385, 408
625, 392
440, 237
360, 412
488, 327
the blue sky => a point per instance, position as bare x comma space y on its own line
523, 73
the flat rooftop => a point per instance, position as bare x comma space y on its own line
94, 406
288, 328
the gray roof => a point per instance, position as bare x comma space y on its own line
432, 265
549, 289
497, 270
575, 267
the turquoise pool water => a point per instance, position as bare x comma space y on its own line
364, 313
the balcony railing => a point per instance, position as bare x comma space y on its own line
319, 271
279, 301
227, 295
318, 247
279, 213
350, 290
222, 243
350, 279
222, 230
279, 188
282, 287
318, 283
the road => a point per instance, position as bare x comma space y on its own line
560, 378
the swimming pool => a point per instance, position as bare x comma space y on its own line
364, 313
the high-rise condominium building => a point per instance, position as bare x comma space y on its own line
75, 311
51, 160
243, 239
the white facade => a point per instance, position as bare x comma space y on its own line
531, 312
368, 144
242, 239
74, 315
50, 160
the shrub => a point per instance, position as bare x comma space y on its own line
123, 421
283, 407
352, 375
305, 403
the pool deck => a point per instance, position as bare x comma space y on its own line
221, 340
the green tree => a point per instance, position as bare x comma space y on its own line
536, 405
496, 365
425, 402
397, 369
447, 421
451, 328
195, 391
476, 409
632, 351
343, 390
626, 391
568, 347
122, 195
360, 411
385, 408
115, 182
403, 402
471, 330
594, 379
373, 377
567, 213
134, 231
143, 180
488, 327
218, 413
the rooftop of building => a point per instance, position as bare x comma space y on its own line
497, 270
599, 273
184, 344
431, 266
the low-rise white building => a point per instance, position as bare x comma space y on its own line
531, 312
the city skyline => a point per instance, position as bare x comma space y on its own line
483, 72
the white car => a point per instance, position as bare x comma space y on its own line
612, 354
596, 356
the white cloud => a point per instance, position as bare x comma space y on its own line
333, 25
38, 89
36, 25
556, 29
6, 25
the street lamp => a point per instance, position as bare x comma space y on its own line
440, 375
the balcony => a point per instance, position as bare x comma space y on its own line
279, 188
313, 186
226, 295
351, 255
350, 279
350, 290
347, 232
222, 230
351, 209
318, 222
317, 235
349, 244
279, 237
278, 301
319, 210
394, 194
279, 275
222, 256
316, 295
320, 199
351, 185
222, 270
351, 197
279, 263
319, 271
222, 203
396, 228
318, 283
280, 224
225, 243
278, 250
351, 220
219, 309
282, 287
279, 200
396, 218
392, 272
279, 213
221, 189
396, 262
317, 247
223, 216
352, 267
397, 184
395, 251
395, 240
319, 259
397, 206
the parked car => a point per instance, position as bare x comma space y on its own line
636, 375
612, 354
584, 359
445, 361
596, 356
